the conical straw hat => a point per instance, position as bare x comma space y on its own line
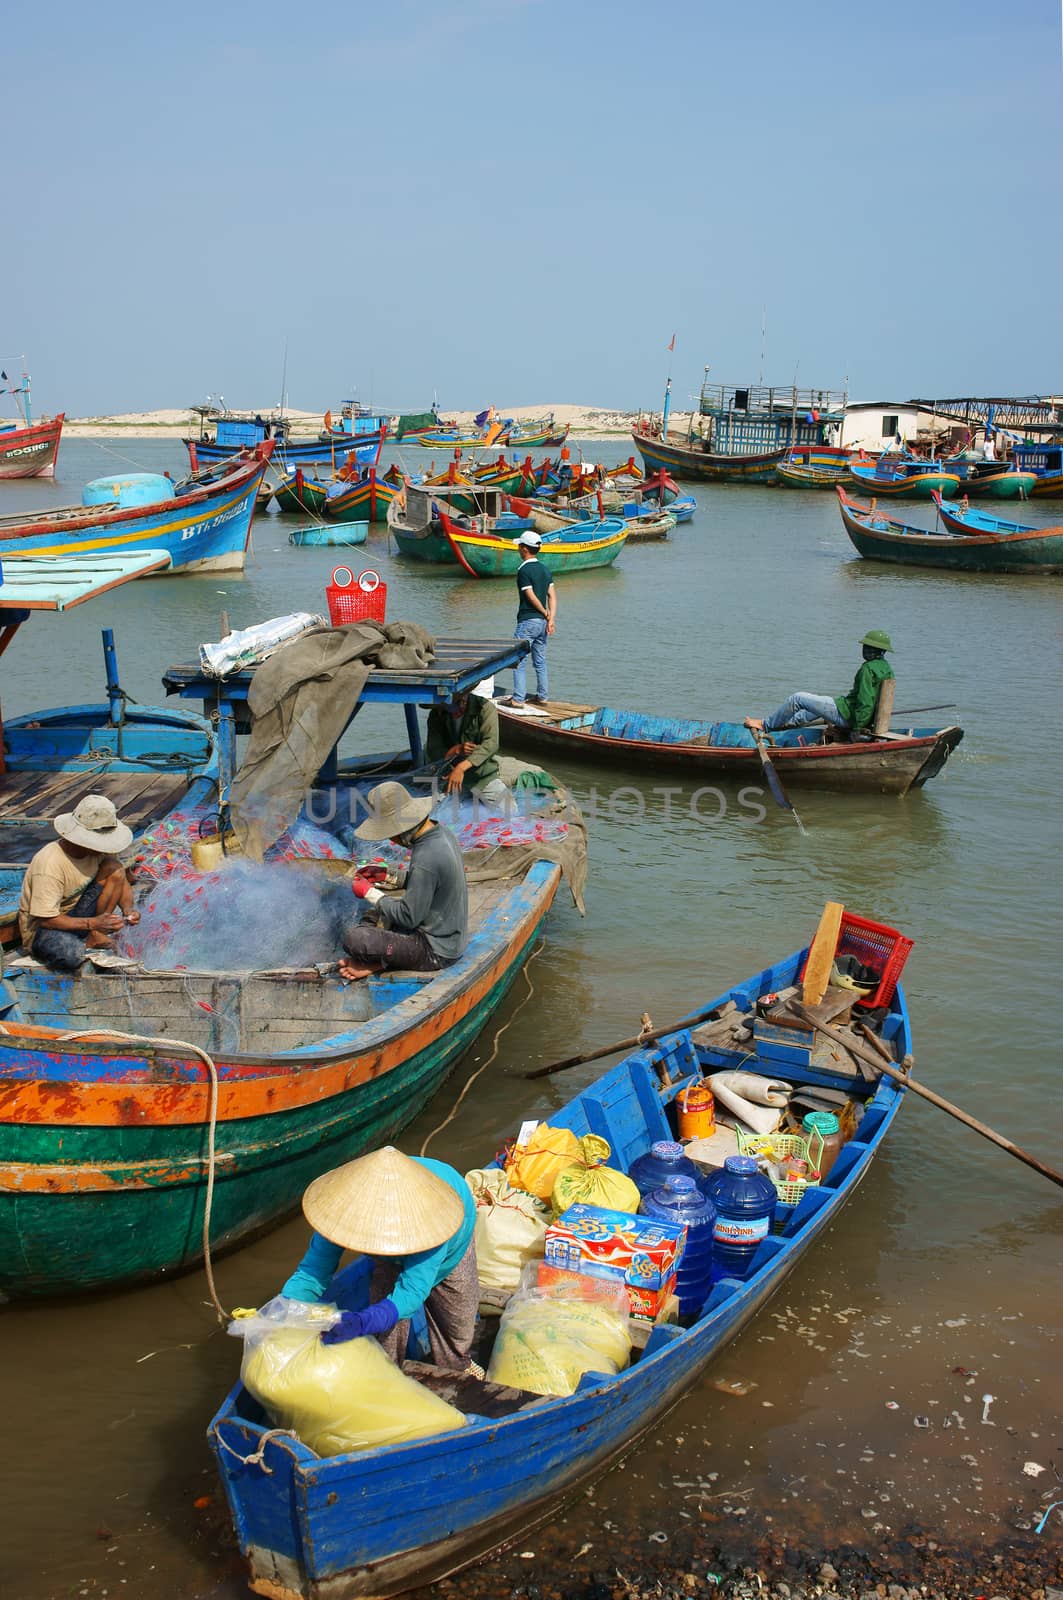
383, 1204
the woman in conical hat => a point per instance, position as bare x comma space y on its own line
415, 1217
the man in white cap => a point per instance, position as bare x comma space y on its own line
427, 926
76, 892
416, 1218
464, 732
536, 618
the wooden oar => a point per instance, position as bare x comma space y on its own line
778, 793
622, 1044
877, 1060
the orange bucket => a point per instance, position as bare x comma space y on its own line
696, 1111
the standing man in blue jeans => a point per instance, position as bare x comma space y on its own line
536, 618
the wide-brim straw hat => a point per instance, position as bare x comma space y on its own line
392, 810
93, 824
383, 1204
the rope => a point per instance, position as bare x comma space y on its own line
256, 1459
494, 1051
143, 465
172, 1046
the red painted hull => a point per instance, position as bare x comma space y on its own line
31, 452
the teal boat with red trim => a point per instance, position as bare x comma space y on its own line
113, 1131
573, 548
1025, 550
301, 494
905, 477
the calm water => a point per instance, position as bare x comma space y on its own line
949, 1256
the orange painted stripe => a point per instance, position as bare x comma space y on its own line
71, 1103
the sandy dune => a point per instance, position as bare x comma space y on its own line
177, 423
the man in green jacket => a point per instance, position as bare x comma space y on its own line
465, 733
853, 712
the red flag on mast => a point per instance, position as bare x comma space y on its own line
671, 347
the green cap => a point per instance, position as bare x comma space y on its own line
877, 640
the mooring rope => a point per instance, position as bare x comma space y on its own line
256, 1460
172, 1047
494, 1050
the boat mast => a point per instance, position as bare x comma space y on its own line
21, 392
666, 408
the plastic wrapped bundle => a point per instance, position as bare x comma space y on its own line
535, 1165
336, 1397
248, 646
558, 1326
510, 1228
594, 1186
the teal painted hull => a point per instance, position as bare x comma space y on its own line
344, 534
143, 1217
428, 546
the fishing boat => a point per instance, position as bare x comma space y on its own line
645, 524
202, 522
902, 476
148, 760
966, 519
297, 492
575, 548
814, 468
343, 534
110, 1145
381, 1520
893, 763
28, 449
487, 431
741, 433
532, 434
992, 480
979, 549
362, 499
414, 518
1045, 461
226, 433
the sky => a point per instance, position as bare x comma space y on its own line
521, 201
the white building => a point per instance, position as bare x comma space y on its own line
874, 424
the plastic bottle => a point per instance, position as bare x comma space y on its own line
826, 1124
663, 1160
745, 1202
680, 1201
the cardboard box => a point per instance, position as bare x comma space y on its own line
641, 1252
650, 1305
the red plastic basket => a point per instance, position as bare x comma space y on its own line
351, 599
882, 949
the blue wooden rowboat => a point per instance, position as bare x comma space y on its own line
1025, 550
966, 519
343, 533
202, 523
380, 1521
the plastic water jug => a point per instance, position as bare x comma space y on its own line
745, 1202
680, 1201
663, 1160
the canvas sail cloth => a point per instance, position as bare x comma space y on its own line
301, 700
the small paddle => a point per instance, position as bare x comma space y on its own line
877, 1060
778, 793
622, 1044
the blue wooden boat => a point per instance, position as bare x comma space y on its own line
1023, 550
202, 523
965, 519
357, 435
742, 433
1045, 461
343, 533
904, 477
379, 1521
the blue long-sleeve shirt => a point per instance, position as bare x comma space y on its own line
418, 1273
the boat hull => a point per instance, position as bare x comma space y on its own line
31, 452
886, 766
341, 448
375, 1523
204, 530
1003, 485
105, 1183
879, 538
345, 535
791, 476
366, 500
686, 462
1048, 484
919, 486
483, 556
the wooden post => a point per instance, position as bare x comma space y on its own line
821, 954
884, 707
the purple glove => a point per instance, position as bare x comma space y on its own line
378, 1318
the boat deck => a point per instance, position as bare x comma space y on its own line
30, 800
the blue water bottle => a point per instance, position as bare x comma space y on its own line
745, 1203
663, 1160
680, 1202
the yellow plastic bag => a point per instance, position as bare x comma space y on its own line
339, 1397
510, 1228
594, 1186
549, 1337
535, 1165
